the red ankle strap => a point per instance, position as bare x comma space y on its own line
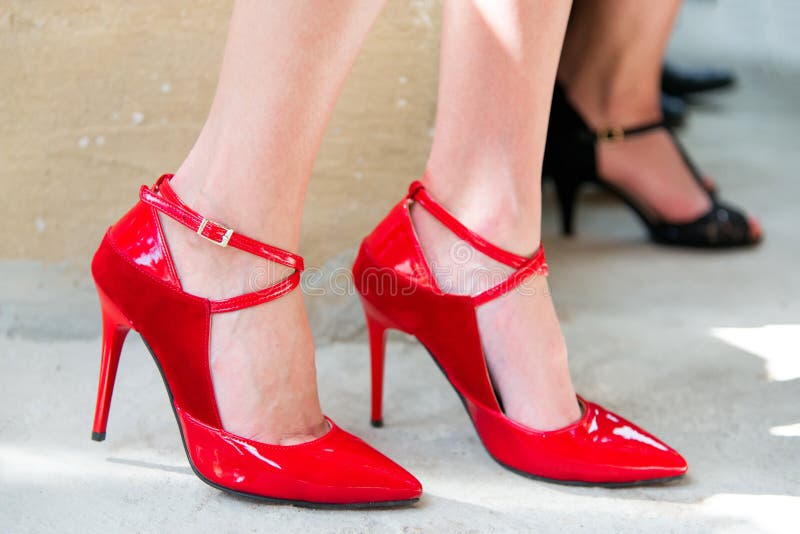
525, 267
417, 192
163, 198
169, 204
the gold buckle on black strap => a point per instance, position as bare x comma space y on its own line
611, 134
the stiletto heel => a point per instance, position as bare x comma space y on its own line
377, 348
115, 330
600, 448
570, 159
567, 193
139, 288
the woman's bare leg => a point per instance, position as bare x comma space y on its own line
611, 70
284, 65
498, 66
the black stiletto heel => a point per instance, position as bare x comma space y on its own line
571, 161
567, 192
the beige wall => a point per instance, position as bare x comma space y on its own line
100, 96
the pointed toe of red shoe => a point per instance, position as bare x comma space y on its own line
392, 481
623, 452
601, 448
335, 469
672, 465
371, 475
648, 458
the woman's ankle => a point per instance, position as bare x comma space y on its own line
212, 271
494, 205
606, 100
241, 196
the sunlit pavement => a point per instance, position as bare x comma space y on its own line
702, 349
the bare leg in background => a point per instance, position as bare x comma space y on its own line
611, 70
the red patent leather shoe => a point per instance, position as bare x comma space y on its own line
398, 291
139, 289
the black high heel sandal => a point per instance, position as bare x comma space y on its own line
570, 160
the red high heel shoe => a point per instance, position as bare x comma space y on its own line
139, 289
398, 291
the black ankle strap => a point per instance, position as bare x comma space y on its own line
617, 133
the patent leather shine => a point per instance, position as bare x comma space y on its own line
145, 247
335, 468
139, 290
399, 292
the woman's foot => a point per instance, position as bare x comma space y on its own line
651, 170
262, 357
613, 83
648, 166
525, 350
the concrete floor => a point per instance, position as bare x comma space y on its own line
700, 348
